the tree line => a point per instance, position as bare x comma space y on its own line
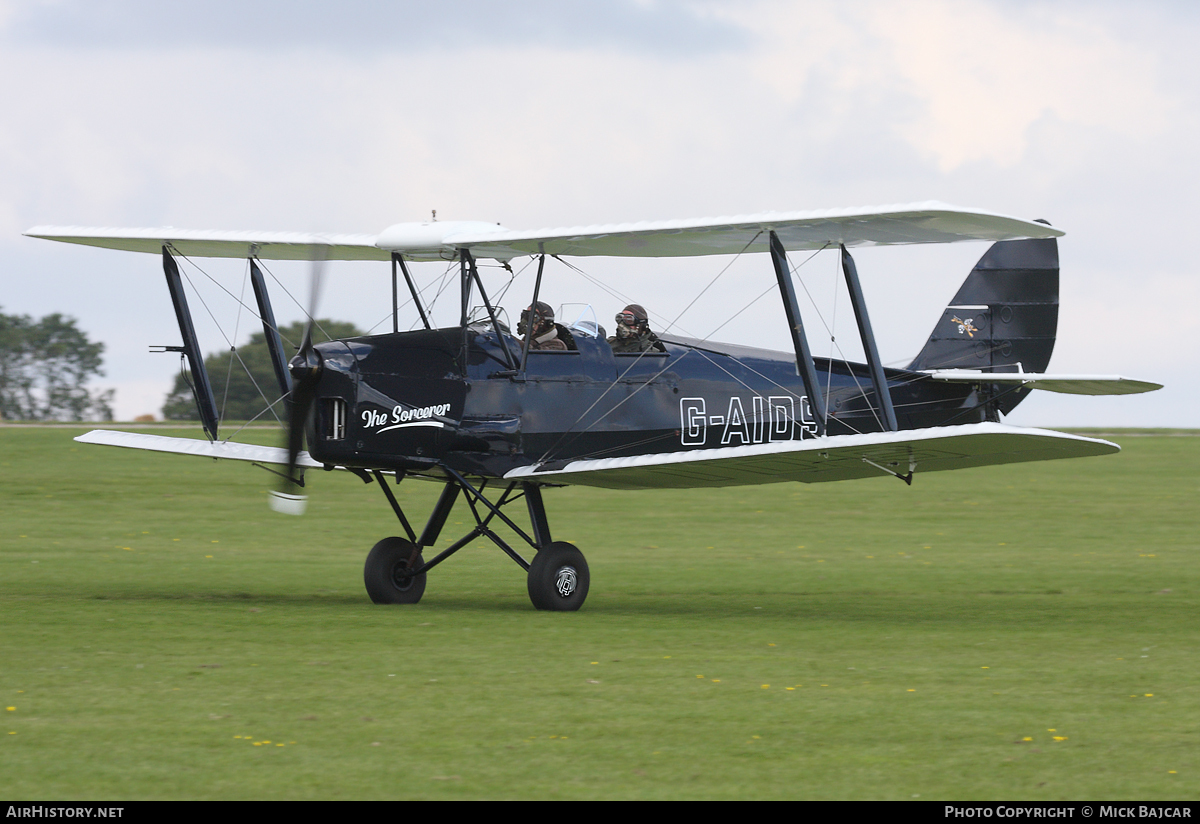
45, 366
243, 381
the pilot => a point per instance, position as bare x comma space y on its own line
633, 332
546, 334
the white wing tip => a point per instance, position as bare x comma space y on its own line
288, 504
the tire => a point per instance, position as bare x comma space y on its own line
384, 573
558, 578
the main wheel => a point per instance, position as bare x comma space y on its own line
386, 573
558, 578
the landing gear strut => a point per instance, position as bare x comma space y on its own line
558, 576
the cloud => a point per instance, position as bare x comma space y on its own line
368, 27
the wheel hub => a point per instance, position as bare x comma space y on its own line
401, 578
565, 581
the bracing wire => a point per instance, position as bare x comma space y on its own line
442, 284
611, 290
232, 348
560, 441
636, 360
714, 280
237, 325
834, 343
832, 339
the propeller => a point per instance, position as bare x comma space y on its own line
305, 368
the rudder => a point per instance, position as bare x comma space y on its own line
1005, 313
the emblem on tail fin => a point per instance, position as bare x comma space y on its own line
965, 326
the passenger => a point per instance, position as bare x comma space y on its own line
633, 332
546, 334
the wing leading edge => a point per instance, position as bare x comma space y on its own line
835, 458
219, 244
929, 222
219, 450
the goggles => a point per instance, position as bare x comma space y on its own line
627, 318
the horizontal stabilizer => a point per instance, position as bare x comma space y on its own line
1067, 384
220, 450
835, 458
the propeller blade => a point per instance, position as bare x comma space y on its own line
306, 375
287, 504
316, 273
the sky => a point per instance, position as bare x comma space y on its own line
312, 116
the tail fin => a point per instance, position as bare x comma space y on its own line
1005, 313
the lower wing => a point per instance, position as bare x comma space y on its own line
835, 458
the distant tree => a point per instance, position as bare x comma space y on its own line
44, 368
238, 396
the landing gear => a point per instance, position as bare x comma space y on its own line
388, 572
558, 578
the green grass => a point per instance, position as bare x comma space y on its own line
935, 639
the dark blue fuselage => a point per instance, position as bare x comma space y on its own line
415, 399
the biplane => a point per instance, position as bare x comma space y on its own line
496, 421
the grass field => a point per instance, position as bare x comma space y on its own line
1021, 632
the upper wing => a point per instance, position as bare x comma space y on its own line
219, 244
835, 458
1067, 384
870, 226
